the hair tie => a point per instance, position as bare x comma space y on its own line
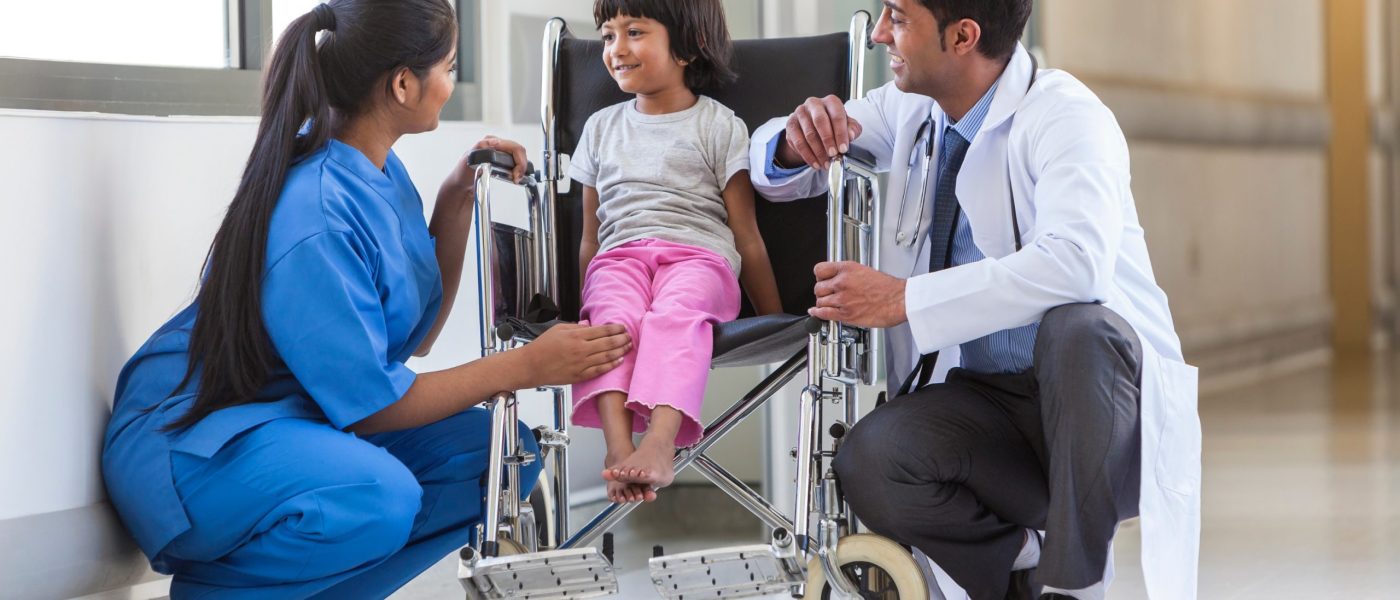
325, 17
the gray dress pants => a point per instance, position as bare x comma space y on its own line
960, 469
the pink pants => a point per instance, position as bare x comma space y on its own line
669, 297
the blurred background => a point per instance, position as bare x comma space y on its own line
1265, 144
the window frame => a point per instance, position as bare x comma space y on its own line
138, 90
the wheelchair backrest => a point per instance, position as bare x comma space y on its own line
775, 76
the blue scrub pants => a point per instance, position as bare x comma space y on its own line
296, 508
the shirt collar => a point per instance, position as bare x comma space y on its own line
971, 123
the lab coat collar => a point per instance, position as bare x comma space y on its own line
1011, 88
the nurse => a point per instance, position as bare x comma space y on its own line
268, 441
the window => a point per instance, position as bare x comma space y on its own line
286, 11
165, 57
167, 33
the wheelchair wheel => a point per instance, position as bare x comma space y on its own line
543, 503
880, 568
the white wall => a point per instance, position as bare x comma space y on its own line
1224, 106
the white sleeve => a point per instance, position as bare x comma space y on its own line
1070, 255
877, 135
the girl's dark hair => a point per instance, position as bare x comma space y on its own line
366, 44
697, 30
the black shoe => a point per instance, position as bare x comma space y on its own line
1022, 587
1055, 597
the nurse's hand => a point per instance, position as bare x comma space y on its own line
463, 175
511, 147
817, 132
854, 294
571, 353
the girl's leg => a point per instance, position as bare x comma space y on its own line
693, 290
617, 289
617, 434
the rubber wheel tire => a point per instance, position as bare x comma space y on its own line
543, 503
865, 548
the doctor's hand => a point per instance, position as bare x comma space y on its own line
569, 353
817, 132
855, 294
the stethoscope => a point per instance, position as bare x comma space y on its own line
925, 137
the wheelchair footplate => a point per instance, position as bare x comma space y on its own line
549, 575
733, 572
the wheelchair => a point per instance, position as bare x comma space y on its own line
527, 550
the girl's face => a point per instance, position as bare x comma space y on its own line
637, 52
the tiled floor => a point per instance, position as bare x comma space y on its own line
1302, 497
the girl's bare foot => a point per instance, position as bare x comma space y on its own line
621, 491
650, 465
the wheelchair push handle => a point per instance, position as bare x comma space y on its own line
498, 159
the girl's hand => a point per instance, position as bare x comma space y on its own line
572, 353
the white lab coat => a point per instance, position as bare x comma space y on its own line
1061, 152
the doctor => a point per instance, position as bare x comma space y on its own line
1016, 281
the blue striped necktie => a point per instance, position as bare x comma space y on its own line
945, 222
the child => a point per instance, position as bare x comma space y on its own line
668, 202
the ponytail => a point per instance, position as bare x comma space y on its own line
229, 345
305, 84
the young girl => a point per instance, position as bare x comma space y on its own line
668, 228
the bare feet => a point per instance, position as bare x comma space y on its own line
649, 466
621, 491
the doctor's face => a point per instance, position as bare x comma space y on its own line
910, 33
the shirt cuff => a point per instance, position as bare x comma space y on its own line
917, 290
771, 169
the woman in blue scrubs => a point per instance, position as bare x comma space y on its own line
268, 441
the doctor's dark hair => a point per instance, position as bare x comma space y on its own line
697, 30
307, 86
1002, 22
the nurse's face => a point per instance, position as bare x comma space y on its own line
911, 34
637, 53
426, 99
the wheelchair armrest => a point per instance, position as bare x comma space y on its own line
498, 159
861, 155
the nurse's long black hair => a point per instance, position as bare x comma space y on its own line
366, 44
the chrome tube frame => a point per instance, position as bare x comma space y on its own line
731, 418
847, 353
559, 455
741, 493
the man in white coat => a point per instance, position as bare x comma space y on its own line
1043, 387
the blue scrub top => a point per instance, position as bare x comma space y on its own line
350, 287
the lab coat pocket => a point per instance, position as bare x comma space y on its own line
1179, 446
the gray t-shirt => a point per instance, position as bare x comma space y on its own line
662, 176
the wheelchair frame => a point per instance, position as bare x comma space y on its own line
836, 359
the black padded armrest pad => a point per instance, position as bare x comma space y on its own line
501, 160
